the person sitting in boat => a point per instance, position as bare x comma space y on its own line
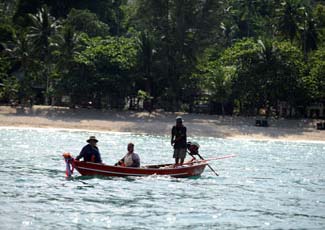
90, 152
131, 159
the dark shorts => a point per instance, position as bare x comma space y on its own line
180, 153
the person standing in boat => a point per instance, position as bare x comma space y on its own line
131, 159
178, 141
90, 152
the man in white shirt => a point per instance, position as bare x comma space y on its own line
131, 159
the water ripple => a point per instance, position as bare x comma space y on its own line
269, 185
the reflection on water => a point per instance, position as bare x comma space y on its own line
269, 185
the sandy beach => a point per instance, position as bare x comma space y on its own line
160, 123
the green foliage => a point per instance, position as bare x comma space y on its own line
289, 16
315, 81
249, 53
290, 71
180, 30
7, 32
9, 90
111, 53
43, 26
319, 15
213, 79
87, 22
143, 95
106, 65
4, 68
8, 85
265, 73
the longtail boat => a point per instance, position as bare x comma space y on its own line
188, 169
192, 168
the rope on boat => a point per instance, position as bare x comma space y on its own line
208, 159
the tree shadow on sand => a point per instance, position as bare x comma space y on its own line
161, 122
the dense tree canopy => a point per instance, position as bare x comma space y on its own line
213, 56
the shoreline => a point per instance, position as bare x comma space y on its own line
159, 123
128, 133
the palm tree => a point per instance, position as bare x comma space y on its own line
289, 17
146, 53
19, 51
67, 45
309, 34
40, 32
296, 22
244, 13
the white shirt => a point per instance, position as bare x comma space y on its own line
128, 160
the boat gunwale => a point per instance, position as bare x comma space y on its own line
131, 171
143, 168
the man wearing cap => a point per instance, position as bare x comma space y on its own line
90, 152
178, 140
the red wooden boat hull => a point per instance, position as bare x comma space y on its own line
92, 169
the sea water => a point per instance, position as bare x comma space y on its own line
268, 185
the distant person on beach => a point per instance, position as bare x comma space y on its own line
178, 140
131, 159
90, 152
